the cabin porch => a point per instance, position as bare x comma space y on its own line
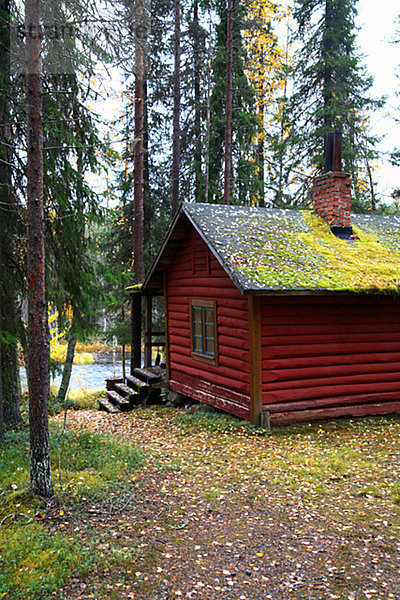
148, 374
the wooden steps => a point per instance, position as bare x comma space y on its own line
127, 392
137, 385
151, 375
142, 388
106, 405
119, 401
122, 389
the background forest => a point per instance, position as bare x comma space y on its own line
221, 102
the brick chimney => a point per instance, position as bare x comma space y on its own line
331, 191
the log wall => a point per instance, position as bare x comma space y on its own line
325, 357
227, 385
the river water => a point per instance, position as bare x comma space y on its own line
92, 377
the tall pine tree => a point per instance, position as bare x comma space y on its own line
331, 88
243, 176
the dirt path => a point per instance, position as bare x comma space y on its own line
238, 517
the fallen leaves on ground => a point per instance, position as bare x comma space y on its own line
297, 514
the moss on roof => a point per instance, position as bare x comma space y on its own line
271, 250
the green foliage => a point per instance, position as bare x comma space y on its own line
71, 150
116, 244
72, 208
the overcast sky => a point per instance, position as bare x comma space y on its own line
377, 20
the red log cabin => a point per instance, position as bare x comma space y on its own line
283, 315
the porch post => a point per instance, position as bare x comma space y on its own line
136, 322
148, 327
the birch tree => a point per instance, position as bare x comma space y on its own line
266, 69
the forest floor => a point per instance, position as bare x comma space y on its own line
219, 510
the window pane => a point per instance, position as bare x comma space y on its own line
197, 344
209, 316
210, 331
196, 314
197, 327
210, 347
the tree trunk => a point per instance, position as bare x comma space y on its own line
278, 201
9, 370
138, 163
138, 192
40, 471
228, 105
197, 100
327, 50
1, 387
22, 336
123, 363
123, 348
371, 186
260, 141
147, 207
176, 139
136, 324
67, 369
208, 115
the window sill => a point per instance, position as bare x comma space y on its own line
205, 359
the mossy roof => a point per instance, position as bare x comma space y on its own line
277, 251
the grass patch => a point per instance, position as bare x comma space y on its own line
77, 399
34, 561
14, 461
34, 564
89, 463
93, 460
